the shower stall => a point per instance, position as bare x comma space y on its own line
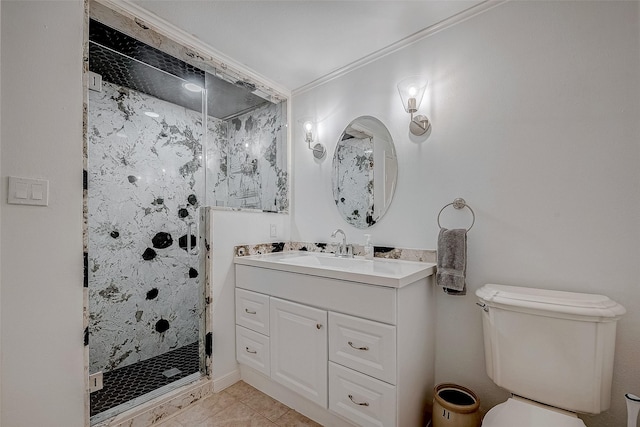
165, 139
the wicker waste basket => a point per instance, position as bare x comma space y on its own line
455, 406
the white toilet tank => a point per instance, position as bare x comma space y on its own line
553, 347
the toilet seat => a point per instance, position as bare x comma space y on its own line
515, 412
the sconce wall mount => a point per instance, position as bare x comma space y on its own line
412, 91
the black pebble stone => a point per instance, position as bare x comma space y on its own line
183, 213
115, 234
162, 325
152, 293
192, 199
132, 179
162, 240
193, 273
149, 254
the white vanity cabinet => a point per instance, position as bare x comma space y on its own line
341, 352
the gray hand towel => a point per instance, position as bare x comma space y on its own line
452, 261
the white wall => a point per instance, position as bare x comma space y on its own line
230, 229
535, 109
41, 250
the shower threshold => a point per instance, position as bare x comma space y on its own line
132, 385
102, 416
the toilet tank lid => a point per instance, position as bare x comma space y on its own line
544, 300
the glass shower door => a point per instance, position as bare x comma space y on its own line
146, 183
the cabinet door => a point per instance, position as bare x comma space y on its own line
299, 349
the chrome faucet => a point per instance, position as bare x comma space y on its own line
343, 250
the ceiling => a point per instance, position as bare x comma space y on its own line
295, 42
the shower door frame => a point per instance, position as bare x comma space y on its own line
197, 388
153, 31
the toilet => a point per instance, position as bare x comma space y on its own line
552, 350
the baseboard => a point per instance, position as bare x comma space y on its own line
225, 381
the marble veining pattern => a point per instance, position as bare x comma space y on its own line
144, 178
256, 161
206, 316
419, 255
353, 181
217, 151
261, 163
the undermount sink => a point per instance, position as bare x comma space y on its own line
379, 271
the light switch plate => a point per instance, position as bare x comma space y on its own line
28, 191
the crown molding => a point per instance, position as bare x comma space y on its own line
401, 44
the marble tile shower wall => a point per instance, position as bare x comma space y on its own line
145, 177
250, 171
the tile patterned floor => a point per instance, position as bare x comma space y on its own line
124, 384
238, 406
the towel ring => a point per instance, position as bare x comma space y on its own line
458, 203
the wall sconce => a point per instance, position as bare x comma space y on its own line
310, 133
411, 91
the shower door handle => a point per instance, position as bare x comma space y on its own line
192, 250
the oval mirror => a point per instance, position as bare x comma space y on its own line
365, 168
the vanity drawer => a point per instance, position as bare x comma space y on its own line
252, 311
252, 349
360, 398
366, 346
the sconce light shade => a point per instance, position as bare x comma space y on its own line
309, 129
412, 91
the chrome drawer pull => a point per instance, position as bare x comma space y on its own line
358, 348
246, 310
250, 351
358, 403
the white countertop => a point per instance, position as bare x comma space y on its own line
380, 271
